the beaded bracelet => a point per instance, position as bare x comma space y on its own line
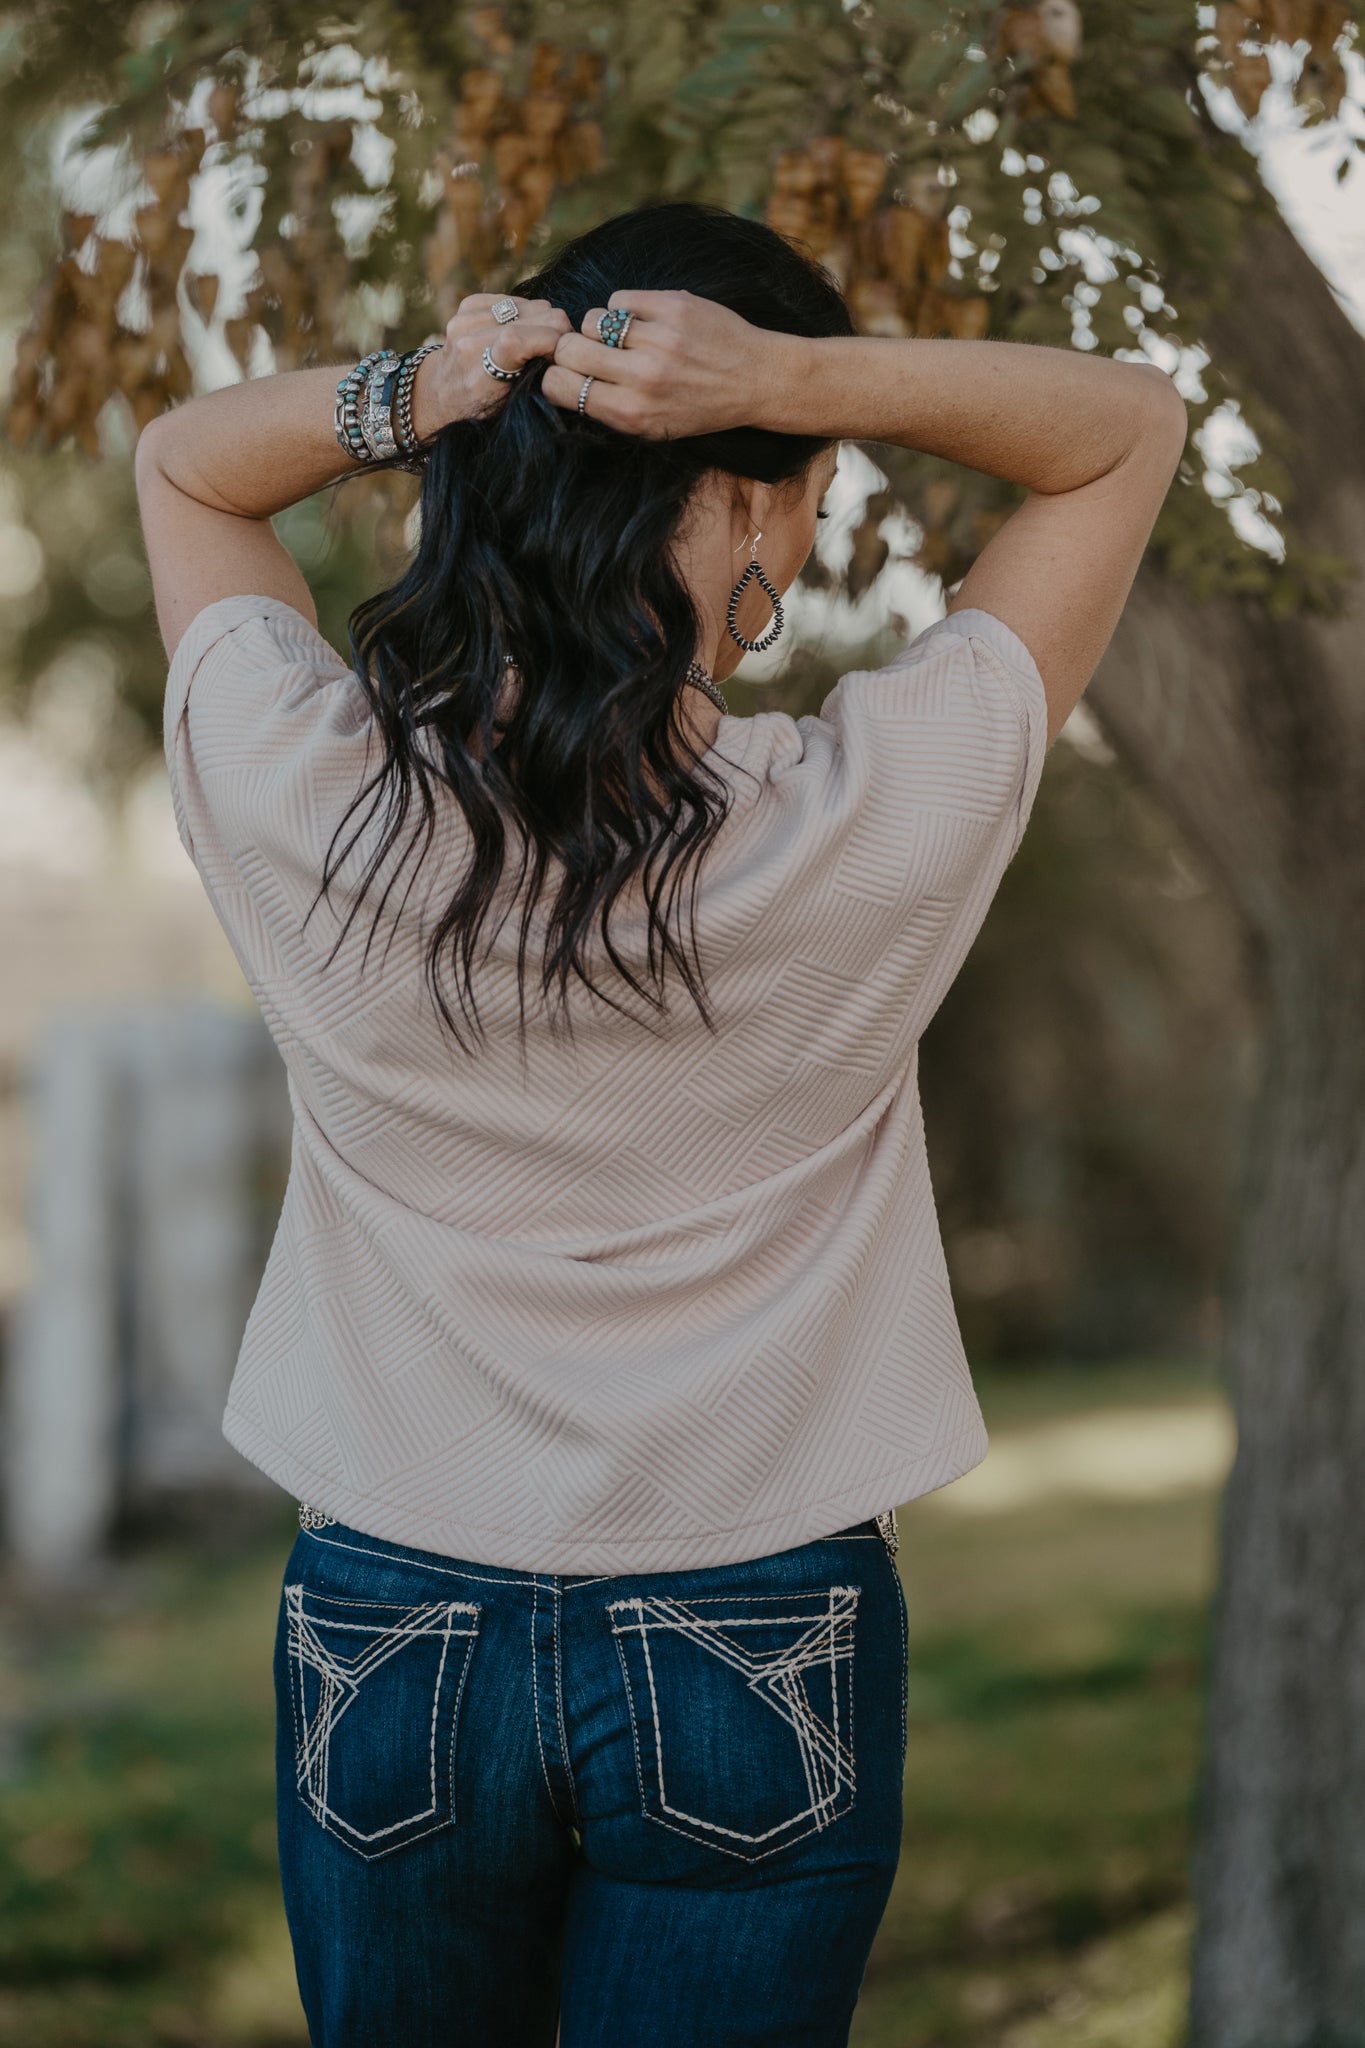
346, 418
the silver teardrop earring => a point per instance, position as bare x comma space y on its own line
767, 639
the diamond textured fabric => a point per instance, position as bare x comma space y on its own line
651, 1299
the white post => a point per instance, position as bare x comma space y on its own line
64, 1397
149, 1127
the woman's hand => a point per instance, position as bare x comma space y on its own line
687, 366
452, 383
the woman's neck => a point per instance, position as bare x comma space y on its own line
697, 715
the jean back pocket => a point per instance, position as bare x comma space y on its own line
742, 1713
375, 1688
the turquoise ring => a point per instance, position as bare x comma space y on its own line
612, 327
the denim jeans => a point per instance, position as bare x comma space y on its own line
661, 1809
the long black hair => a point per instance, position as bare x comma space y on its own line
546, 537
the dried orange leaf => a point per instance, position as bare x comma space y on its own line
542, 114
1250, 80
826, 152
864, 174
875, 305
901, 235
224, 101
239, 336
967, 319
546, 62
788, 215
867, 559
510, 155
1021, 34
1051, 91
203, 294
1229, 25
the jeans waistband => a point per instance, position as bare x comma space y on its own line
313, 1518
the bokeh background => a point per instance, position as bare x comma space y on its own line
1135, 1787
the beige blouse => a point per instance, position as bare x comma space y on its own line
655, 1299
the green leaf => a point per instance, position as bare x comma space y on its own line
1167, 111
758, 25
969, 89
931, 61
1155, 28
141, 69
722, 77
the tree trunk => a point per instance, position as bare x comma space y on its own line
1251, 729
1280, 1877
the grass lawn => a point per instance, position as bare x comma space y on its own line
1055, 1703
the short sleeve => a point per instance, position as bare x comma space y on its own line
261, 717
939, 755
267, 736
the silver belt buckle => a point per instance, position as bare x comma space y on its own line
313, 1518
886, 1529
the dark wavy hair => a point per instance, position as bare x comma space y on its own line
547, 537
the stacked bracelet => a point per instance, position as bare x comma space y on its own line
373, 416
404, 432
376, 407
346, 419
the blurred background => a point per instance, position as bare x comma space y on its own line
1138, 1629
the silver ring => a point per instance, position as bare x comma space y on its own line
504, 310
583, 394
496, 370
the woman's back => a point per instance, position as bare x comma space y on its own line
638, 1295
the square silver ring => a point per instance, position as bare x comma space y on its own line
504, 310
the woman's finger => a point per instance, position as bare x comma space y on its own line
514, 346
562, 388
522, 340
611, 405
591, 358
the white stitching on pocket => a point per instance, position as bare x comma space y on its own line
825, 1747
340, 1680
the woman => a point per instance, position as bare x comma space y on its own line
607, 1321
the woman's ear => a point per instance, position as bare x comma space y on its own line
752, 510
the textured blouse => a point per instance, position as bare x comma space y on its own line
647, 1298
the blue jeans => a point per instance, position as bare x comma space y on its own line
662, 1809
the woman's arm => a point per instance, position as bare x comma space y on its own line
212, 473
209, 477
1095, 443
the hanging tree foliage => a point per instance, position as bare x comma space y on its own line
964, 171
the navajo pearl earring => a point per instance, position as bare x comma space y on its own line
767, 639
